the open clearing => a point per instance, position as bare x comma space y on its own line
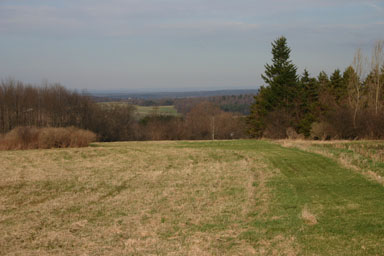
143, 111
242, 197
162, 110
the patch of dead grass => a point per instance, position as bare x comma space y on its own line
308, 217
279, 245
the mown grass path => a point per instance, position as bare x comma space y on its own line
186, 198
345, 211
349, 208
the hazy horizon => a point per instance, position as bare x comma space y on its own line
166, 90
177, 45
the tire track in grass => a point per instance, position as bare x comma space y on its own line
349, 209
265, 227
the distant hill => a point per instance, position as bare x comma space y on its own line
238, 101
103, 96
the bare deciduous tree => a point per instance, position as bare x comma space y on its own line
377, 62
355, 85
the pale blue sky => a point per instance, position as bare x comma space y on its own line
177, 44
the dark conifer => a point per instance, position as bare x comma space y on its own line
280, 90
281, 75
338, 85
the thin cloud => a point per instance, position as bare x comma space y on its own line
144, 41
210, 26
375, 6
128, 17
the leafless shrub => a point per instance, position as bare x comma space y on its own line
34, 138
293, 135
54, 138
207, 121
322, 131
20, 138
371, 126
277, 124
82, 138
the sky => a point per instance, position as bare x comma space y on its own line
176, 45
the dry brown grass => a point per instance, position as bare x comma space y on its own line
279, 245
308, 217
133, 199
34, 138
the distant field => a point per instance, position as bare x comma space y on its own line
147, 110
164, 110
243, 197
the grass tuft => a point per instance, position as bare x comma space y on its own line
308, 217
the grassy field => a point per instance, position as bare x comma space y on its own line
189, 198
163, 110
366, 157
146, 110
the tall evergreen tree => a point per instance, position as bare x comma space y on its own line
338, 85
280, 90
324, 85
310, 86
323, 81
281, 74
309, 108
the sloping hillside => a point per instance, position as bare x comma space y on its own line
186, 198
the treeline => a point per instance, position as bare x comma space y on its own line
204, 121
24, 105
229, 103
45, 106
347, 104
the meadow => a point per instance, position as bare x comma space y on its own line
163, 110
240, 197
143, 111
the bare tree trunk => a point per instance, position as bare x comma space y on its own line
355, 85
376, 62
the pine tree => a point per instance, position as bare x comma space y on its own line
259, 111
338, 85
280, 91
323, 81
281, 75
309, 108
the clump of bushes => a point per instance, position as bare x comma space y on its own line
44, 138
323, 131
293, 135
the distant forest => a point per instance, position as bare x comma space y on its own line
238, 101
55, 106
